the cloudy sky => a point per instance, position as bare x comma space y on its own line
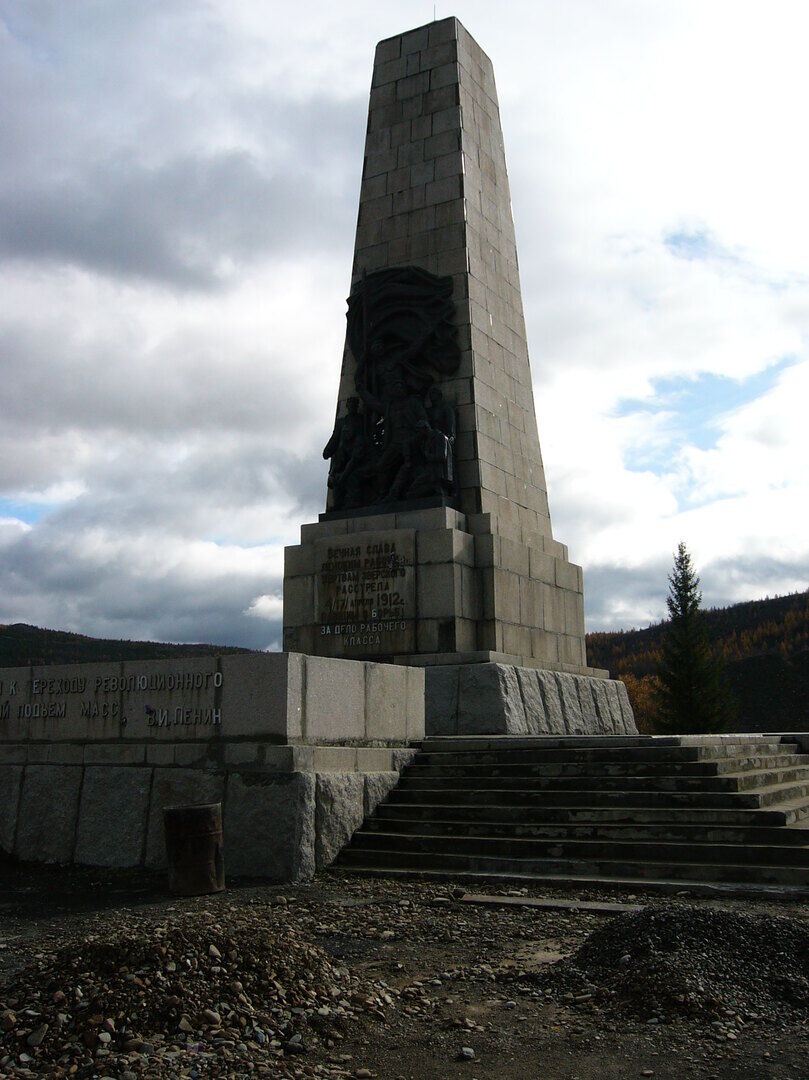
178, 194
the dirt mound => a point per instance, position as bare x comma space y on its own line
697, 962
195, 987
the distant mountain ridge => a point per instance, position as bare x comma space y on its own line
763, 643
22, 645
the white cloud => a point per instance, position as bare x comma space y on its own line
178, 191
266, 607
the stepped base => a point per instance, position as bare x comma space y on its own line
501, 699
714, 814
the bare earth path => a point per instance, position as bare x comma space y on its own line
356, 978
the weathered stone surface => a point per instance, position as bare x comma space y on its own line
260, 694
400, 758
378, 786
571, 705
339, 812
616, 716
590, 718
385, 701
553, 704
269, 826
489, 701
112, 816
415, 704
499, 699
335, 700
49, 804
441, 700
599, 688
10, 785
177, 787
536, 719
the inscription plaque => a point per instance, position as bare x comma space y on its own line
365, 593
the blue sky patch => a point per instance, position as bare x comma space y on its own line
691, 411
695, 244
29, 512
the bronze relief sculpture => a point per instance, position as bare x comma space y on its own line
400, 446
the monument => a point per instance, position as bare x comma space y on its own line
436, 548
431, 597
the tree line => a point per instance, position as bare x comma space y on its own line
675, 671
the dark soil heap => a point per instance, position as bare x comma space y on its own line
700, 963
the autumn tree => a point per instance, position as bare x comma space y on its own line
692, 694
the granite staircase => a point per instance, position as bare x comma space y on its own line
698, 812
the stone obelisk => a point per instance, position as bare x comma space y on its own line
436, 547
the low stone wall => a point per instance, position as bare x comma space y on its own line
279, 823
281, 697
498, 699
297, 749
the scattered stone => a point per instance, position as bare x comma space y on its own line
466, 1054
37, 1035
295, 1045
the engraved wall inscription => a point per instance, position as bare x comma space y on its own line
118, 699
365, 593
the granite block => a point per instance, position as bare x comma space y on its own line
10, 787
489, 701
48, 811
378, 785
113, 815
339, 812
386, 702
441, 700
269, 826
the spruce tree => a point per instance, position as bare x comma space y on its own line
693, 697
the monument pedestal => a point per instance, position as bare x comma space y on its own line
497, 621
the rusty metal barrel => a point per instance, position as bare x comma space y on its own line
194, 849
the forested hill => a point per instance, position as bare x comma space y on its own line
763, 643
778, 626
21, 645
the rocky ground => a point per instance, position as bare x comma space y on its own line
103, 975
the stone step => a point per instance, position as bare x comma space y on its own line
590, 815
477, 743
573, 753
693, 833
717, 745
591, 797
588, 768
522, 848
778, 793
710, 811
636, 872
532, 782
506, 777
739, 763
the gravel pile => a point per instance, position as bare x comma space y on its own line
705, 964
200, 993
